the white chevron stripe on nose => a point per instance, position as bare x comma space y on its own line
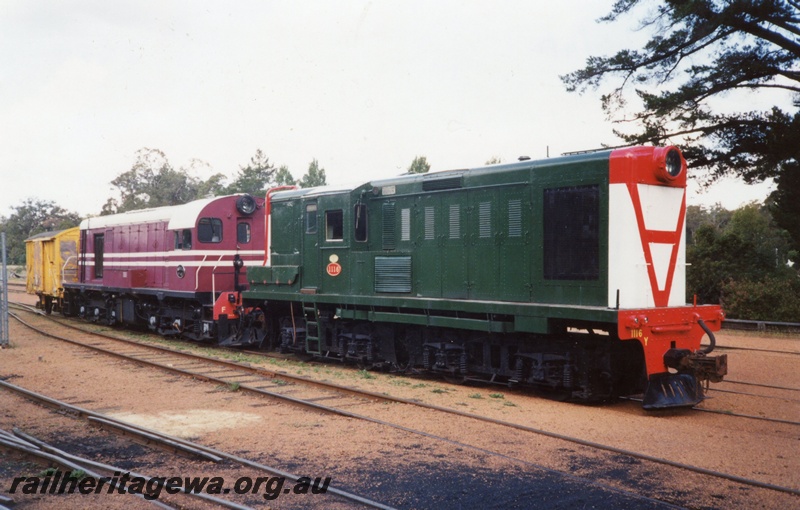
661, 207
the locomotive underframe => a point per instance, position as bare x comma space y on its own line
188, 315
579, 360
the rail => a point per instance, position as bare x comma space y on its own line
212, 453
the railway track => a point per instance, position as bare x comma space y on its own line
270, 383
278, 379
756, 349
266, 385
18, 288
759, 385
31, 449
165, 442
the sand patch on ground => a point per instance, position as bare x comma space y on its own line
191, 423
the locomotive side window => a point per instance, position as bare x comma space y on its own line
572, 233
360, 222
243, 233
183, 239
311, 219
209, 230
334, 225
99, 241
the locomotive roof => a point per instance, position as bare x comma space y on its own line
406, 179
179, 216
316, 191
490, 169
49, 234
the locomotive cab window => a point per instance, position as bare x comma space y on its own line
572, 233
183, 239
243, 233
209, 230
311, 219
360, 222
334, 230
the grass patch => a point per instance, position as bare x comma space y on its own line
476, 395
496, 395
438, 390
47, 472
365, 375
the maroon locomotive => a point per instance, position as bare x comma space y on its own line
178, 270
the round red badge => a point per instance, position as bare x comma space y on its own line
334, 269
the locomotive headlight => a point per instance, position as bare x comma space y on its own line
246, 205
673, 162
669, 165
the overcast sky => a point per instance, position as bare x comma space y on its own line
361, 86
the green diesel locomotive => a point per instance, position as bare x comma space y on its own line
566, 275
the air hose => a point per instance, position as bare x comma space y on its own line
712, 340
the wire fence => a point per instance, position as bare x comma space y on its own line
762, 326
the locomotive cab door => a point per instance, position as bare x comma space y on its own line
311, 255
430, 236
482, 244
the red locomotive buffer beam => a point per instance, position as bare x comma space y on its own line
676, 365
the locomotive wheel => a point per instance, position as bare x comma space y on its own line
256, 333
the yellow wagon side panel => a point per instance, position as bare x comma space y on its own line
50, 280
33, 266
51, 260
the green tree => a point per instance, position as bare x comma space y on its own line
735, 259
152, 182
784, 204
700, 51
754, 224
283, 177
420, 165
773, 298
314, 177
254, 178
213, 187
33, 217
697, 216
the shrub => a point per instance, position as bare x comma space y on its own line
769, 299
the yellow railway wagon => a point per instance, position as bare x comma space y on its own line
51, 260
